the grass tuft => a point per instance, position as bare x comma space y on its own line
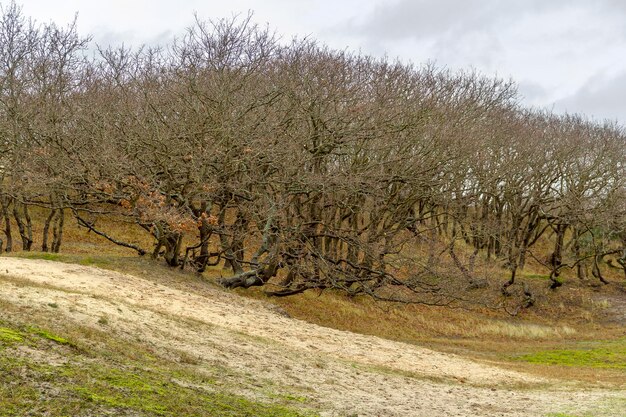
10, 336
525, 330
50, 336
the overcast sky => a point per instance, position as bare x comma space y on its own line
567, 55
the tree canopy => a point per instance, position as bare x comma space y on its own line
300, 166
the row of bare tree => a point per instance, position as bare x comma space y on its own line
321, 168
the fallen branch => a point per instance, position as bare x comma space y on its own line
89, 225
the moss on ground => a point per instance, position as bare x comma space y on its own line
28, 387
99, 382
49, 336
10, 336
601, 354
42, 255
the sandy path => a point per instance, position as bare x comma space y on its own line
341, 373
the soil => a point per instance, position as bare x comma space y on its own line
339, 373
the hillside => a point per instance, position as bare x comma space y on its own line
72, 337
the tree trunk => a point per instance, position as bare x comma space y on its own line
172, 248
24, 225
231, 258
556, 259
29, 227
581, 267
457, 262
595, 270
240, 230
46, 231
57, 230
258, 276
511, 281
205, 234
622, 261
5, 202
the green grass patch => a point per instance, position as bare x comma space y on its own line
86, 388
29, 335
116, 377
95, 261
99, 261
49, 336
41, 255
601, 354
10, 336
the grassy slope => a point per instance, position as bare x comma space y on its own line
47, 368
567, 339
566, 336
85, 372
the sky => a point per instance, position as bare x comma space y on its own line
565, 55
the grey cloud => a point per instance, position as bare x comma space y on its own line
602, 97
613, 6
113, 38
532, 92
129, 38
550, 46
456, 32
418, 18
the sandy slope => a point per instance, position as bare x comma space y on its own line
341, 373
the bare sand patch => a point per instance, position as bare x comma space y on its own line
340, 373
